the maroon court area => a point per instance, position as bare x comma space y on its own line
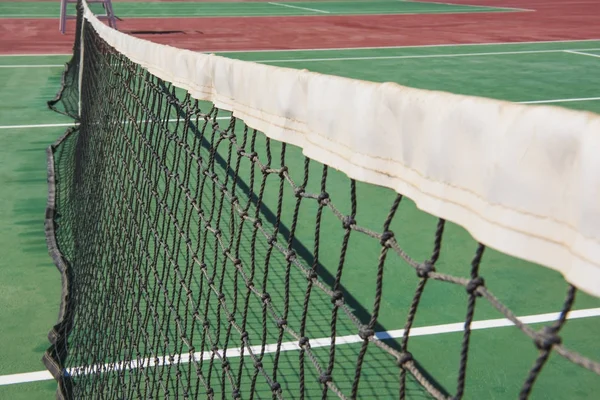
549, 20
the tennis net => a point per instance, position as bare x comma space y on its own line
219, 235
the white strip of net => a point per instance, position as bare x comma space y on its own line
524, 180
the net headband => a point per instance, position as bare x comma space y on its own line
524, 180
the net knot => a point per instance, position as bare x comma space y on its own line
266, 297
236, 394
206, 324
404, 358
258, 365
225, 365
210, 281
323, 198
324, 378
424, 269
348, 221
244, 336
237, 262
231, 318
257, 223
271, 240
546, 338
385, 236
209, 391
303, 341
290, 255
299, 191
337, 296
365, 332
281, 323
282, 171
253, 156
203, 266
221, 296
265, 169
275, 387
234, 200
474, 284
312, 275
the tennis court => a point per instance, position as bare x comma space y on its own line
553, 72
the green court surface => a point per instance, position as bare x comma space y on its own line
554, 73
248, 9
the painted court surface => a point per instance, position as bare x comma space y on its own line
420, 44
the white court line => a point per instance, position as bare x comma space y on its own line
401, 47
25, 378
37, 55
481, 6
314, 343
352, 48
581, 53
560, 100
414, 56
173, 120
69, 124
323, 13
300, 8
33, 66
36, 126
497, 53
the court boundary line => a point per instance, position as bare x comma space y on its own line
474, 10
185, 358
572, 100
582, 53
32, 66
299, 8
364, 58
344, 48
468, 9
415, 56
37, 55
66, 125
469, 5
404, 47
72, 124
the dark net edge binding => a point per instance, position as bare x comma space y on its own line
56, 357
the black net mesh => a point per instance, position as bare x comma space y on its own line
202, 260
